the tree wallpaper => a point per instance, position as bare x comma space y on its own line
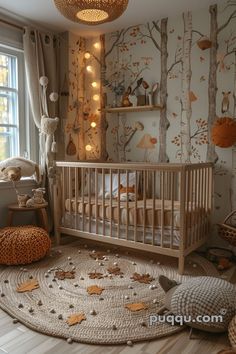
191, 61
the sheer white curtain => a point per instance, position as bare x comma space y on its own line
40, 50
41, 59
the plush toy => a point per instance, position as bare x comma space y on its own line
37, 198
48, 127
224, 264
124, 191
14, 168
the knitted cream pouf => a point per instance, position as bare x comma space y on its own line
23, 244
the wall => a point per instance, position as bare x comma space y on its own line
191, 84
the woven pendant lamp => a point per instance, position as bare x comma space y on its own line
91, 12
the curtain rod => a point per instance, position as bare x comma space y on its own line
12, 24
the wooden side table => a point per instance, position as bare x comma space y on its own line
40, 211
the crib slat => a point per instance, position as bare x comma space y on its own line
198, 203
63, 192
89, 198
127, 205
153, 205
82, 196
103, 202
76, 195
144, 206
187, 214
96, 200
69, 188
118, 203
111, 211
135, 206
162, 206
191, 224
172, 194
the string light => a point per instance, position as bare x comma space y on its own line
87, 55
97, 45
96, 97
93, 124
89, 68
88, 147
94, 84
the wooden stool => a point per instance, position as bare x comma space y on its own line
40, 211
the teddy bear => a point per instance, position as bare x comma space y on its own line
37, 198
13, 168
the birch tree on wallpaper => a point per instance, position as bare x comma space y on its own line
186, 111
215, 30
151, 29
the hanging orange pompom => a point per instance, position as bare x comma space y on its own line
204, 43
223, 132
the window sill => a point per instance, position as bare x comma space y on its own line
24, 182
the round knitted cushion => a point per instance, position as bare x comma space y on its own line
232, 332
23, 244
205, 296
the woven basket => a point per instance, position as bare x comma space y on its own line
232, 332
227, 231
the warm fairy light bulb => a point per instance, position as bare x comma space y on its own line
87, 55
89, 68
96, 97
88, 147
94, 84
93, 124
97, 45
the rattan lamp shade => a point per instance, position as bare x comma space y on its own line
91, 12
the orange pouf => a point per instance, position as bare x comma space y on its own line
23, 244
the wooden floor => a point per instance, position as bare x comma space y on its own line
17, 339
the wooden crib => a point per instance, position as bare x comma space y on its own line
166, 209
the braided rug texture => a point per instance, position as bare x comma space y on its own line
108, 321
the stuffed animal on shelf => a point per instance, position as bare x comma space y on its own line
14, 168
125, 99
37, 198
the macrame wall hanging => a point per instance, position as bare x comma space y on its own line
48, 125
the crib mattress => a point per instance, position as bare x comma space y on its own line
163, 215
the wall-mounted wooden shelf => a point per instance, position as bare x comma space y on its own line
132, 109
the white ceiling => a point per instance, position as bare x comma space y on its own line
44, 13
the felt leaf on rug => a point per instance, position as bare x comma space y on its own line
75, 319
95, 275
97, 255
142, 278
94, 290
27, 286
62, 275
136, 307
115, 271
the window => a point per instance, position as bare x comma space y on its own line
13, 123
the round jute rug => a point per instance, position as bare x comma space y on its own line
106, 296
